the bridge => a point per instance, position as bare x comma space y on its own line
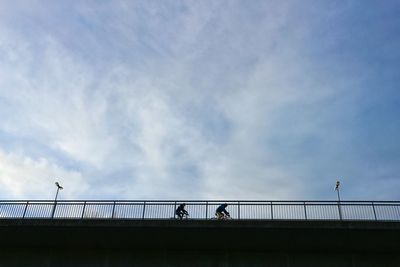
147, 233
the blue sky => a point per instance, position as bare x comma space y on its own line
200, 99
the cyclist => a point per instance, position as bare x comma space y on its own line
221, 211
180, 211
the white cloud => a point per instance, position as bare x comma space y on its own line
23, 177
56, 102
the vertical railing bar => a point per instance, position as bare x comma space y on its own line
175, 210
238, 210
26, 207
144, 209
396, 208
7, 211
373, 209
34, 211
112, 214
77, 211
83, 210
206, 210
272, 212
54, 209
305, 211
61, 211
340, 211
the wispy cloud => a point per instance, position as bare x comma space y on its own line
22, 176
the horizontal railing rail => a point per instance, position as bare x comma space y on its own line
200, 209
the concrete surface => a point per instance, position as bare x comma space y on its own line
106, 243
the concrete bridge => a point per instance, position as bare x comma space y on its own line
108, 242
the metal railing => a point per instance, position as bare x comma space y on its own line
201, 210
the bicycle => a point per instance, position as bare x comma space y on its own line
185, 216
221, 217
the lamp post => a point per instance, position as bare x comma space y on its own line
59, 187
338, 195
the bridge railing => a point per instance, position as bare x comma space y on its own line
201, 210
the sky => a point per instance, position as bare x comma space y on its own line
193, 100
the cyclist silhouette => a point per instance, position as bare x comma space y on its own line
221, 211
180, 211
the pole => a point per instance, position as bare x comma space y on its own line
55, 199
58, 189
338, 195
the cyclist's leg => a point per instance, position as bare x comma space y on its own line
180, 215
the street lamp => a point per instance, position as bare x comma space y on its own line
59, 187
338, 195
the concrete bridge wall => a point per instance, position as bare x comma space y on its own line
104, 243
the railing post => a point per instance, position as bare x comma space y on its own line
238, 210
272, 212
206, 210
112, 214
175, 210
54, 209
144, 209
83, 210
397, 210
26, 207
373, 208
305, 210
340, 211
